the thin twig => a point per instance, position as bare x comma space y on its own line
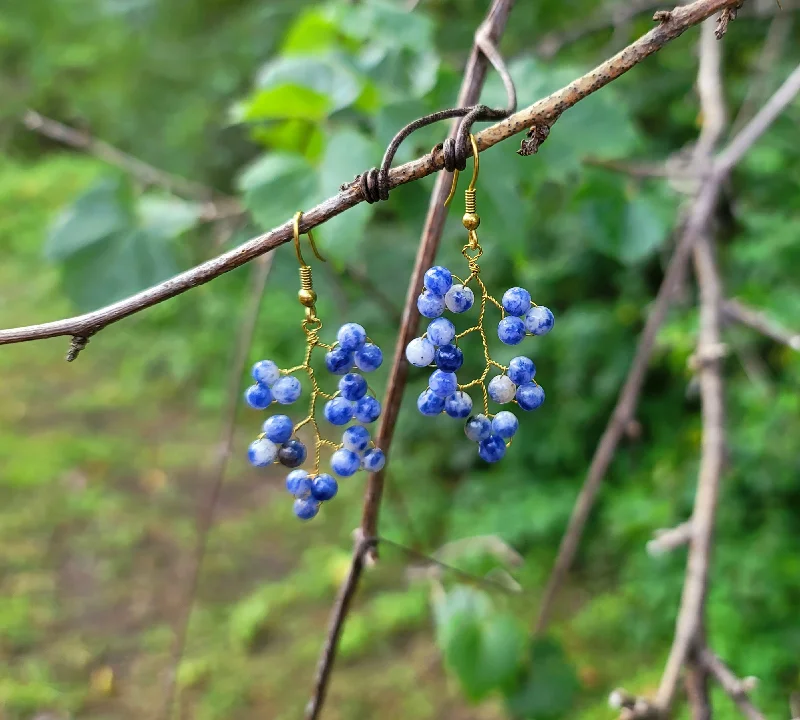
205, 518
670, 539
735, 688
543, 112
758, 321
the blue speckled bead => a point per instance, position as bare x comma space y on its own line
478, 428
369, 358
438, 280
458, 405
338, 411
539, 320
420, 352
351, 337
266, 372
278, 428
287, 390
449, 358
306, 509
428, 403
521, 370
324, 487
493, 449
338, 361
353, 386
459, 299
443, 384
262, 452
505, 424
345, 462
298, 483
441, 331
430, 305
516, 301
511, 331
501, 389
356, 438
258, 397
374, 460
530, 396
368, 409
292, 454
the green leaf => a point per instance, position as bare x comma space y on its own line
550, 686
285, 102
312, 32
167, 217
96, 214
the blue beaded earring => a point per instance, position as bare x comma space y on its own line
438, 346
353, 400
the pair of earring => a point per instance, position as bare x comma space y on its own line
353, 399
438, 348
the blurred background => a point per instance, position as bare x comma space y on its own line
106, 463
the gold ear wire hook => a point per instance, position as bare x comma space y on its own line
306, 295
475, 171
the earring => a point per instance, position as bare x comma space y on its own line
439, 345
353, 400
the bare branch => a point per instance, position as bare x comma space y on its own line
670, 539
735, 688
758, 321
543, 112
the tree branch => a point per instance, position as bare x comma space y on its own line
735, 688
758, 321
543, 112
670, 539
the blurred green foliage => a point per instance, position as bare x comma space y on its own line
279, 103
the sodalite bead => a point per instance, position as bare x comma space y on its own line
367, 410
428, 403
459, 299
420, 352
351, 337
298, 483
501, 389
449, 358
345, 462
430, 305
258, 397
266, 372
530, 396
306, 509
505, 424
278, 428
352, 386
356, 438
338, 361
539, 320
287, 390
438, 280
374, 460
441, 331
493, 449
324, 487
292, 454
443, 384
521, 370
511, 331
458, 405
262, 452
338, 411
478, 428
516, 301
369, 358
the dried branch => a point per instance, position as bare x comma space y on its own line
756, 320
543, 112
670, 539
736, 689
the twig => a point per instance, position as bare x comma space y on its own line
670, 539
543, 112
736, 689
758, 321
206, 516
469, 94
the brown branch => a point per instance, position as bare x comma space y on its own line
735, 688
758, 321
543, 112
490, 32
670, 539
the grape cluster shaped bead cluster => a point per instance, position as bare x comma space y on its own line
438, 348
352, 401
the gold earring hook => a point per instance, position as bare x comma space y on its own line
475, 170
296, 228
